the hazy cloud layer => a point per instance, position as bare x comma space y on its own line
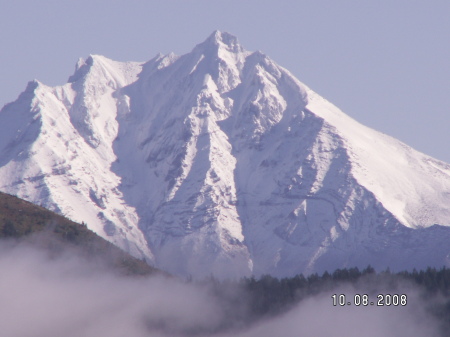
316, 317
70, 297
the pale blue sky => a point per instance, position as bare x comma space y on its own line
384, 62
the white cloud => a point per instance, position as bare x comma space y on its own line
68, 296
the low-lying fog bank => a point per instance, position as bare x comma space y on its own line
69, 296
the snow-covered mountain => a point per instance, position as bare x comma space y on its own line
221, 162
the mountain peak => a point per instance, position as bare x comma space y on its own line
32, 85
81, 68
223, 37
221, 40
220, 162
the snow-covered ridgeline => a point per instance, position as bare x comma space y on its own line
221, 162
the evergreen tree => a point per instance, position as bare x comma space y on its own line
9, 230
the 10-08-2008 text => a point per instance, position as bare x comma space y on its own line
364, 300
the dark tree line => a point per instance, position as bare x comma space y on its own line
269, 296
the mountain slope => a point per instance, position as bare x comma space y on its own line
37, 226
220, 162
56, 151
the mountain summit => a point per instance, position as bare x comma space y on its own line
221, 162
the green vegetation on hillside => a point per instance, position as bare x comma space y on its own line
24, 221
245, 302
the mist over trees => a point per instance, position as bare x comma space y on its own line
62, 279
71, 295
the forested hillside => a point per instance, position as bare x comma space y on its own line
25, 222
